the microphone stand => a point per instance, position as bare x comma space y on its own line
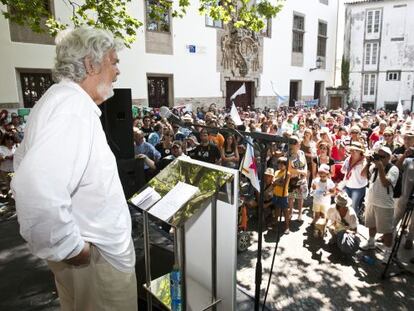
262, 147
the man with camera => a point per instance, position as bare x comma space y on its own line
379, 210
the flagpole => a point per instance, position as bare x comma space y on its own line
258, 280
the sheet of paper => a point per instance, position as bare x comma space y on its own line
173, 201
146, 198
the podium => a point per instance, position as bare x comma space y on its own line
200, 201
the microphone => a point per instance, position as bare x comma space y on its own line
165, 112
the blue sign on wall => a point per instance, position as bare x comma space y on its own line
192, 48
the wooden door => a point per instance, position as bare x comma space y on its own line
158, 92
335, 102
243, 100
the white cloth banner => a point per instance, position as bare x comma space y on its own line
400, 109
240, 91
234, 114
249, 167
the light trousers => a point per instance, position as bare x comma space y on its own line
97, 286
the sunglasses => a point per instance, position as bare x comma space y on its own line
323, 148
387, 135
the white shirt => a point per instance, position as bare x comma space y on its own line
351, 219
66, 184
355, 180
379, 195
321, 194
7, 164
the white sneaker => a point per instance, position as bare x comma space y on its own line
369, 244
386, 257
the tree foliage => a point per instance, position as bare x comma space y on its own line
345, 72
113, 14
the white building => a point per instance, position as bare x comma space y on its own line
379, 43
194, 59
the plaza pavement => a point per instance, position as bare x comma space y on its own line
308, 275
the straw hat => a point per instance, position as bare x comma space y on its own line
356, 145
269, 171
343, 200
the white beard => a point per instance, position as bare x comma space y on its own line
105, 91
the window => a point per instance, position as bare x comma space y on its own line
158, 91
393, 75
371, 53
213, 23
324, 2
322, 36
155, 22
34, 85
298, 31
369, 84
373, 21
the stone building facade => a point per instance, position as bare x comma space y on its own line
379, 44
195, 59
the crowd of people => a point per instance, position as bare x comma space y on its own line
11, 134
356, 165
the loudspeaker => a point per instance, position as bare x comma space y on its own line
132, 175
117, 123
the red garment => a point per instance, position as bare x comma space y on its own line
375, 136
337, 153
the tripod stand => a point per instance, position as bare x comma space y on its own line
400, 232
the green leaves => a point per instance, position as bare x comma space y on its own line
113, 14
107, 14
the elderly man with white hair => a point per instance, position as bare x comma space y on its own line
69, 199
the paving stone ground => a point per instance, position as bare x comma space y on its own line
309, 274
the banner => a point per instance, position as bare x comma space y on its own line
234, 114
240, 91
249, 167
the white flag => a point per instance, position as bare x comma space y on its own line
234, 114
249, 167
400, 109
240, 91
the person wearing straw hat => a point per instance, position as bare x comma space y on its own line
343, 224
355, 169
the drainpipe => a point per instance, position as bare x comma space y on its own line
336, 42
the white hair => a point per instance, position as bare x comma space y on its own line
73, 46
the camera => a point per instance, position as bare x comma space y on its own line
374, 157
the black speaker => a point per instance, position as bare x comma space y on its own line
117, 123
132, 175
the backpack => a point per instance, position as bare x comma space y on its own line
398, 185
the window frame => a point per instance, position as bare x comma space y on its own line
369, 84
208, 18
393, 72
148, 20
370, 56
322, 38
300, 34
373, 21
